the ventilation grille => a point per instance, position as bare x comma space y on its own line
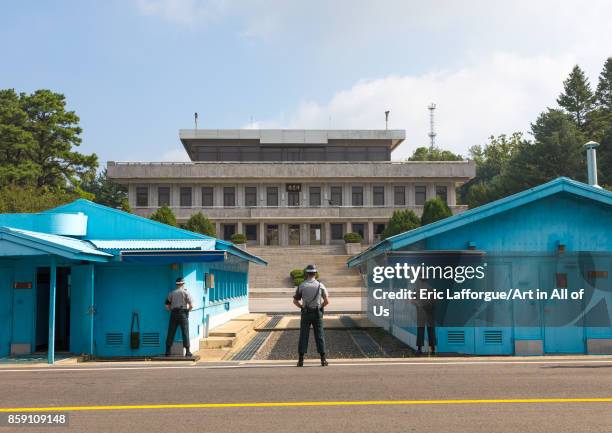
150, 339
493, 337
114, 339
456, 337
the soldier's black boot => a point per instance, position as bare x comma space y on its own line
324, 362
167, 351
300, 362
188, 353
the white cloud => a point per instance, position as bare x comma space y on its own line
502, 93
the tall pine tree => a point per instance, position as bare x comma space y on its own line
577, 97
603, 94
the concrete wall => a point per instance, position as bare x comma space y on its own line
459, 171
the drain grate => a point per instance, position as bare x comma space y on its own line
251, 348
248, 351
348, 322
271, 323
365, 342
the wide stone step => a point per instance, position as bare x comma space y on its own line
232, 333
216, 342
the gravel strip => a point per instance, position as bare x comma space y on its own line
392, 347
283, 345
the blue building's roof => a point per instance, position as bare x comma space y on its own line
556, 186
52, 244
115, 225
154, 244
122, 229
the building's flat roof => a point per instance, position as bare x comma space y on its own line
292, 136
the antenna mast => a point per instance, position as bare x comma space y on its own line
432, 133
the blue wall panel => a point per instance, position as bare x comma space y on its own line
583, 225
119, 291
6, 280
24, 305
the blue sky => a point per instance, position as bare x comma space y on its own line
136, 70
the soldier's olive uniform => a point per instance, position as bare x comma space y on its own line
179, 316
311, 293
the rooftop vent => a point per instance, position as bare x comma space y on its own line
591, 147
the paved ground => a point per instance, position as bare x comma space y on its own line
285, 305
409, 396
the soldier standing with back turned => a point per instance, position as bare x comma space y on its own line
314, 298
179, 303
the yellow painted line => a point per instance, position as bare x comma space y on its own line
304, 404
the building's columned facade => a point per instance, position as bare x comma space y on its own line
291, 187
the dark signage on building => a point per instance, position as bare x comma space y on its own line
294, 187
22, 285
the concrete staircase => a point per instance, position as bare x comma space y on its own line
225, 338
330, 260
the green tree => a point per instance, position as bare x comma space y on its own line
435, 209
603, 94
164, 215
32, 199
577, 97
107, 192
556, 151
401, 221
16, 143
604, 156
198, 223
434, 154
491, 161
37, 137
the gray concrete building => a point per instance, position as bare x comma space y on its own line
291, 187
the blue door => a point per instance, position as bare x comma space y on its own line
564, 330
5, 310
81, 299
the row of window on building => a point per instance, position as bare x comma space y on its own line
272, 233
228, 285
293, 153
293, 197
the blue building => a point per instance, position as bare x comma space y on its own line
555, 236
73, 277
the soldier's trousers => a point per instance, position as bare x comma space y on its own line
426, 318
178, 318
312, 318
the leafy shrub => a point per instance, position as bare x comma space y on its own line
297, 273
238, 238
198, 223
164, 215
298, 276
401, 221
435, 209
352, 238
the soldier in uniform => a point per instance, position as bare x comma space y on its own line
311, 297
179, 303
426, 318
